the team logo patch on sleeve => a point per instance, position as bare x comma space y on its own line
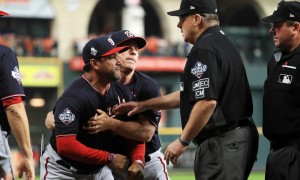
199, 86
67, 116
15, 74
198, 69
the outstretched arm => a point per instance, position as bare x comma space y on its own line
169, 101
199, 117
138, 130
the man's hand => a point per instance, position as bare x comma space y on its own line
135, 172
132, 108
26, 166
120, 163
101, 122
7, 176
173, 151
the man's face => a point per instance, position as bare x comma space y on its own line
130, 57
110, 67
186, 25
282, 34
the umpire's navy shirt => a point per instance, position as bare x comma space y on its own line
215, 71
77, 105
281, 102
10, 81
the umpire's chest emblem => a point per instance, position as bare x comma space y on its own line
198, 69
285, 78
67, 116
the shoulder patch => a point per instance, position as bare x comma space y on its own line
15, 74
67, 116
198, 69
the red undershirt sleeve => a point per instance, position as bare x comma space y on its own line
66, 147
12, 100
137, 149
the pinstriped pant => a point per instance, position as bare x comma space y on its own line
50, 170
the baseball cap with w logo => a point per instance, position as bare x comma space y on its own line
123, 36
100, 47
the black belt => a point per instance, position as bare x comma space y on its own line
222, 129
74, 170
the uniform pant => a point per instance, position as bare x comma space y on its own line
284, 163
50, 170
5, 160
227, 156
155, 169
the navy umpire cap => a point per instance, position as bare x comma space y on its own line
2, 13
195, 6
100, 47
285, 10
122, 36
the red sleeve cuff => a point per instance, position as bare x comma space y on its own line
11, 100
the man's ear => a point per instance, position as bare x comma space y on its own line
197, 19
297, 26
93, 63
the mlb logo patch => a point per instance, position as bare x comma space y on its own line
93, 51
285, 79
67, 116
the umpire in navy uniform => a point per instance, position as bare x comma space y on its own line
281, 105
214, 98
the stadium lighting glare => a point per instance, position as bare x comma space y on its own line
37, 102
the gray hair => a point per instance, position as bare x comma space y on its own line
290, 23
210, 19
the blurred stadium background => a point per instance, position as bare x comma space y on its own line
48, 35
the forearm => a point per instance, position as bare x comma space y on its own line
18, 122
49, 121
169, 101
199, 117
139, 130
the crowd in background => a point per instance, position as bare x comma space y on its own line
251, 51
30, 46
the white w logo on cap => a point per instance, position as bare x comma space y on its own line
129, 34
111, 41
